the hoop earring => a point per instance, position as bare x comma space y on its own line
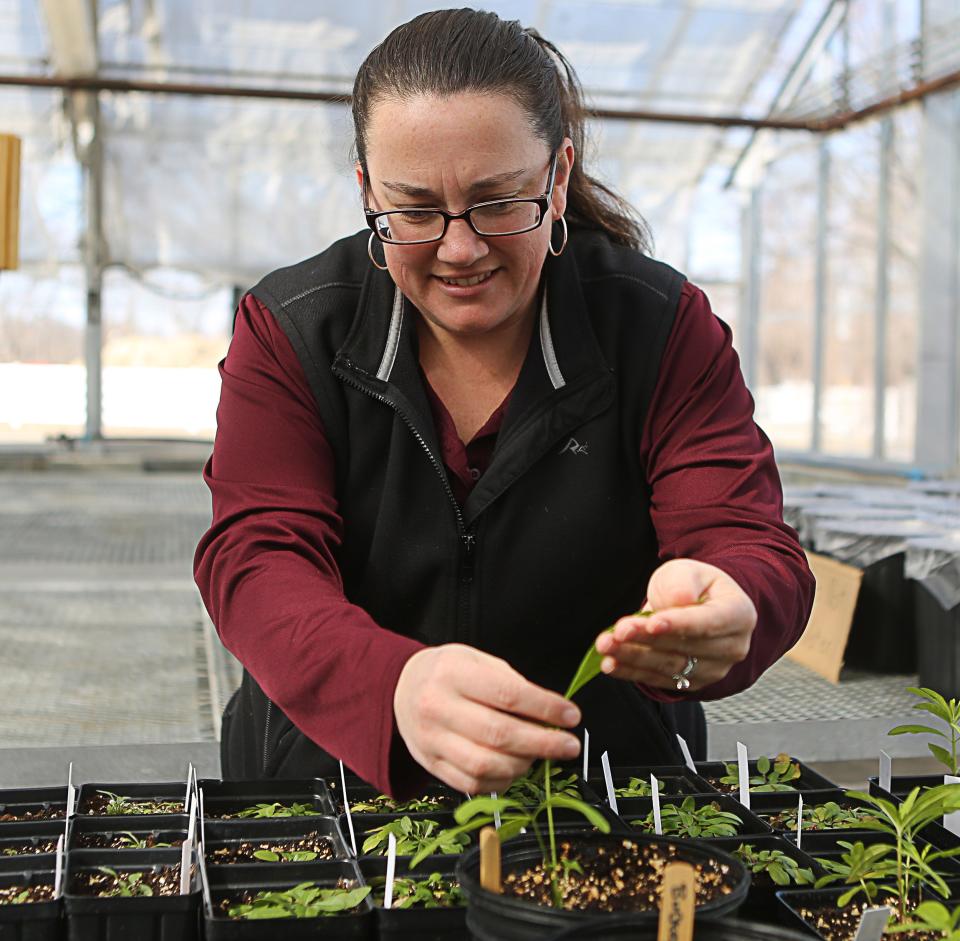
563, 244
373, 260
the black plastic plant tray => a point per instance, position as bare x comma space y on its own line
673, 780
219, 834
360, 792
165, 791
765, 804
636, 807
50, 801
809, 779
415, 924
146, 918
228, 881
902, 785
827, 846
38, 921
15, 835
230, 797
166, 828
761, 901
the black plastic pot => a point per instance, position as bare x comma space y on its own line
766, 804
809, 779
225, 833
761, 902
38, 921
704, 930
902, 785
24, 800
29, 832
416, 924
229, 797
938, 643
637, 807
166, 829
150, 918
166, 791
226, 881
492, 917
673, 780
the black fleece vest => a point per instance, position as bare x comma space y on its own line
554, 542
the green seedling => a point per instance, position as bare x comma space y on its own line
907, 866
128, 884
262, 811
285, 856
413, 836
385, 804
19, 899
935, 918
828, 816
435, 891
530, 790
686, 819
781, 868
131, 841
772, 774
306, 900
948, 712
637, 787
122, 806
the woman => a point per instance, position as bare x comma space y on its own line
454, 449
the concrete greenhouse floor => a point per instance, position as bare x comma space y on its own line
110, 660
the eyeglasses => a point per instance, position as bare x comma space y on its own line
496, 217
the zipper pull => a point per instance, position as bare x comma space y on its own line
469, 541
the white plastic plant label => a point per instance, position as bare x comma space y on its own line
586, 754
872, 923
203, 819
496, 811
391, 870
608, 780
799, 818
58, 870
687, 757
186, 851
743, 773
192, 819
346, 808
886, 771
952, 821
655, 791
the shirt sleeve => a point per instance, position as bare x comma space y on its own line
267, 570
715, 490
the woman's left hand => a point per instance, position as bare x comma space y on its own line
699, 611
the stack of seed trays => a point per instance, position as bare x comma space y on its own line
32, 820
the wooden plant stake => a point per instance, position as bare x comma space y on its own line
490, 860
678, 892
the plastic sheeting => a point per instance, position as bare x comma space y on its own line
935, 562
862, 542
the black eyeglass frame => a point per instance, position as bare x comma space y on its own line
542, 201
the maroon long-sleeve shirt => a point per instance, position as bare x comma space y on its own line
267, 568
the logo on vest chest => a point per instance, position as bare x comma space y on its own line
574, 447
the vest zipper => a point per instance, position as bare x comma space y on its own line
266, 735
468, 538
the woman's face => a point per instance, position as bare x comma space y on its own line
448, 153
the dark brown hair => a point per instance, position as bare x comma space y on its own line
445, 52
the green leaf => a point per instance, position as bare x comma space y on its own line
268, 856
588, 669
591, 813
914, 729
942, 755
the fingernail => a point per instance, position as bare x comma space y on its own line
571, 747
657, 627
607, 665
571, 715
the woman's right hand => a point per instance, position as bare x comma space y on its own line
474, 722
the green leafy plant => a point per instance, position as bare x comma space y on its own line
906, 865
948, 712
306, 900
435, 891
858, 865
637, 787
781, 868
128, 884
131, 841
413, 835
385, 804
933, 917
278, 810
773, 774
827, 816
686, 819
285, 856
122, 806
531, 790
